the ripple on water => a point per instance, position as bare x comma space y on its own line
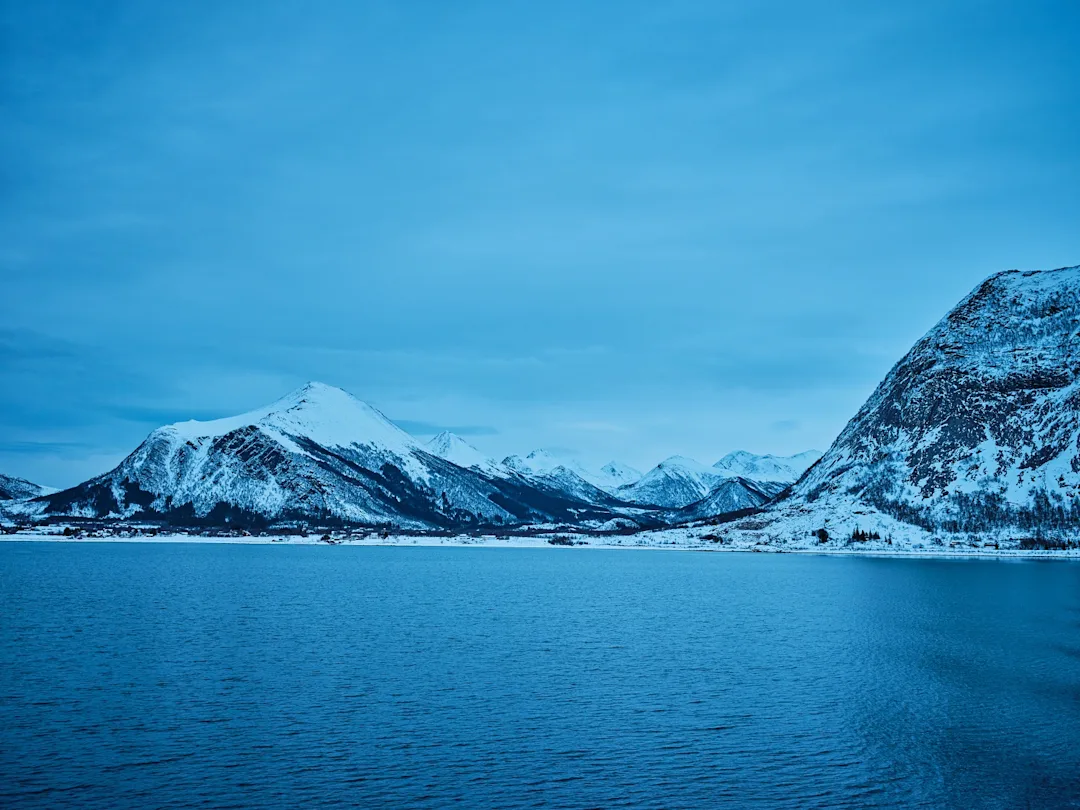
236, 676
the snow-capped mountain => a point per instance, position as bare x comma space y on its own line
543, 463
615, 474
978, 425
16, 489
783, 469
730, 495
740, 480
318, 453
673, 483
455, 449
573, 484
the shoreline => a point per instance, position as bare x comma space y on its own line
542, 543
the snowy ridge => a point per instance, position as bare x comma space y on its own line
673, 483
456, 450
740, 480
17, 489
572, 483
734, 494
782, 469
544, 463
615, 474
317, 454
320, 413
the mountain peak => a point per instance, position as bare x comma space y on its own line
314, 394
330, 416
768, 467
446, 440
542, 461
456, 450
674, 482
736, 456
615, 474
683, 462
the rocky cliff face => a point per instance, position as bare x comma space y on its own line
979, 424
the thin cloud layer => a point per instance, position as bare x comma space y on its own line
701, 226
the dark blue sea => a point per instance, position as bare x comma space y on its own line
136, 676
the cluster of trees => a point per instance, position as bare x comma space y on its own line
1046, 544
860, 536
857, 536
971, 513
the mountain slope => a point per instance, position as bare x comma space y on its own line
573, 484
730, 495
673, 483
544, 464
615, 474
318, 453
784, 469
14, 489
978, 425
456, 450
680, 483
543, 461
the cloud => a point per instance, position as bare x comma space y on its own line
35, 448
682, 218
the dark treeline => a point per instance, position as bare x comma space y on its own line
964, 512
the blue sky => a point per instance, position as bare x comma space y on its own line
626, 230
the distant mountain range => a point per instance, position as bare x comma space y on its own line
977, 428
781, 469
682, 488
318, 454
679, 482
321, 455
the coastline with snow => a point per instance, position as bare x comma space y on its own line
668, 540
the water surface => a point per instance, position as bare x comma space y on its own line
268, 676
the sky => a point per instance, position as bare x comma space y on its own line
615, 230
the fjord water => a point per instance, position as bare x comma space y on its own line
268, 676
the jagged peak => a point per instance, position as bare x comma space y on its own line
1069, 275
